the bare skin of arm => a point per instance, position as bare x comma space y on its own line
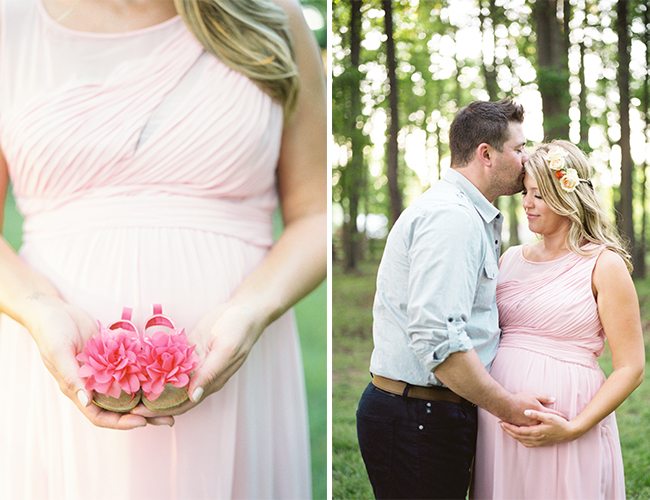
618, 308
464, 374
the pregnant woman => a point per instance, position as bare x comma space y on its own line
559, 299
149, 143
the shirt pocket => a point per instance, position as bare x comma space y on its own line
487, 286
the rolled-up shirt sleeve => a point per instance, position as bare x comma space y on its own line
446, 259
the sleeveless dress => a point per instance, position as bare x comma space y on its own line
552, 336
145, 170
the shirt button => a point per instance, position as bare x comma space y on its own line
421, 427
496, 242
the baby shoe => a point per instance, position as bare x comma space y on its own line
167, 361
111, 365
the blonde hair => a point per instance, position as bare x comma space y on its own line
582, 207
251, 37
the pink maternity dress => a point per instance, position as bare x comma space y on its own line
552, 336
145, 169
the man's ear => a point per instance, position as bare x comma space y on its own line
484, 153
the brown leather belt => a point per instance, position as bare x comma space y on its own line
431, 393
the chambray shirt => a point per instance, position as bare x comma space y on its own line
436, 285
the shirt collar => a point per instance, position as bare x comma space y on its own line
485, 209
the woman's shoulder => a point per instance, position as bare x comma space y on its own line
608, 261
610, 274
513, 250
289, 6
293, 11
511, 253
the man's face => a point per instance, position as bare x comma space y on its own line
509, 163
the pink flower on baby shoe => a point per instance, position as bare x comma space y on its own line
166, 359
111, 363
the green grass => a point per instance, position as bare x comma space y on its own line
352, 298
311, 315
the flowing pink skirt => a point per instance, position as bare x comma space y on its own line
590, 467
250, 440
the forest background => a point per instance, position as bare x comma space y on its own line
401, 69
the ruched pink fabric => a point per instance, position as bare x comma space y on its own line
145, 169
552, 336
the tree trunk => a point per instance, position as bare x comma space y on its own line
354, 168
489, 73
552, 70
640, 262
623, 78
584, 124
392, 164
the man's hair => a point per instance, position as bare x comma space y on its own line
479, 122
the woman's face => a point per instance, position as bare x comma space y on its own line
541, 219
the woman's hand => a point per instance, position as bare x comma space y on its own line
60, 332
224, 338
552, 429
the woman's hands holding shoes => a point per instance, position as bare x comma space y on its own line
224, 338
60, 331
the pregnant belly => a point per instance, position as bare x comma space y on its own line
573, 385
189, 271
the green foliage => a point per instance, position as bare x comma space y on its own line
352, 297
437, 75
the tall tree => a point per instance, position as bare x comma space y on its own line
623, 80
553, 69
640, 263
582, 101
392, 166
347, 121
488, 24
356, 168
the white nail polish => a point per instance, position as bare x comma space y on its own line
83, 399
196, 396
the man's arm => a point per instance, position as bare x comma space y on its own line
464, 374
445, 257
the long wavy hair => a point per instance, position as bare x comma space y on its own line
583, 208
250, 36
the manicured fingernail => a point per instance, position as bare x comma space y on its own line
198, 392
528, 413
83, 399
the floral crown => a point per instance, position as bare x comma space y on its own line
568, 177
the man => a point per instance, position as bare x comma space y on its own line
435, 317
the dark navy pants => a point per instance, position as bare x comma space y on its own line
414, 448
